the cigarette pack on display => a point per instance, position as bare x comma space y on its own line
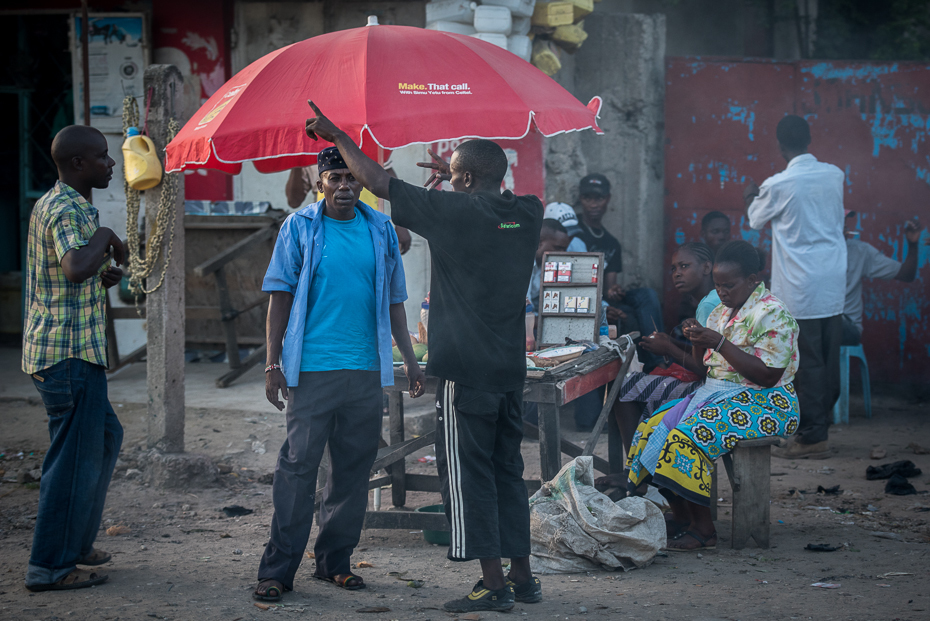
552, 14
500, 40
453, 27
565, 272
551, 301
519, 8
450, 10
594, 273
549, 271
582, 304
494, 19
570, 302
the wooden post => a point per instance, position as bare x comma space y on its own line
751, 482
398, 468
550, 449
164, 308
615, 456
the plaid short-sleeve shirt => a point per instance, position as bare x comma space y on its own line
63, 319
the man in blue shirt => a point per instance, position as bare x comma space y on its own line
337, 290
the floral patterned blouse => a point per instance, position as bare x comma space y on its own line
764, 328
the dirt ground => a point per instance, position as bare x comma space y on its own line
183, 559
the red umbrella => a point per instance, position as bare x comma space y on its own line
386, 86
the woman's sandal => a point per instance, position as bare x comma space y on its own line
701, 540
77, 579
267, 595
349, 582
95, 557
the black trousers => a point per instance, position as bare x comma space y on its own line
481, 472
818, 377
344, 409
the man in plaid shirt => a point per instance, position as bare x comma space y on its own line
65, 351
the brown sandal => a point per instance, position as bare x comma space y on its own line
77, 579
349, 582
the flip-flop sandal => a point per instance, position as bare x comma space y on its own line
694, 536
95, 557
342, 581
77, 579
268, 597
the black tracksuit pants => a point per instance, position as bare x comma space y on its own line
478, 436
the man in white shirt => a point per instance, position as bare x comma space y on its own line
866, 261
804, 205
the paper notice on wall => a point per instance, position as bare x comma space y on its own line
117, 56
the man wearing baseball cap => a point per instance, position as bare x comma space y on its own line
634, 309
566, 216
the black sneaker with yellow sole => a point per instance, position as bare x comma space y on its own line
481, 598
530, 592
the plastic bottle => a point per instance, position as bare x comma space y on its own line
140, 161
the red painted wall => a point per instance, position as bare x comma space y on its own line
199, 30
870, 119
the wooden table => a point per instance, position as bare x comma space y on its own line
551, 390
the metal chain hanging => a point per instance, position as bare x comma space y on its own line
141, 267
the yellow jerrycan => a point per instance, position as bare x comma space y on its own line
140, 162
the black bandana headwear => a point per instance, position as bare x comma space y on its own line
329, 159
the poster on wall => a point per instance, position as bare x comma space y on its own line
526, 163
118, 52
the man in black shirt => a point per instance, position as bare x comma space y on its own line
635, 309
482, 246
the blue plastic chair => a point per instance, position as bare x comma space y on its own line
841, 408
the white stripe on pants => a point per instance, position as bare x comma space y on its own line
454, 470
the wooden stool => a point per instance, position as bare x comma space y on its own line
748, 468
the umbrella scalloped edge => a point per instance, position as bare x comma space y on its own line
288, 159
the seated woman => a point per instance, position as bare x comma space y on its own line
642, 393
750, 355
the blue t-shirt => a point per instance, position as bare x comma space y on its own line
341, 331
705, 306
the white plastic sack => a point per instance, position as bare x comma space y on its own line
575, 528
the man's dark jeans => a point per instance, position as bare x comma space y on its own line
85, 441
818, 378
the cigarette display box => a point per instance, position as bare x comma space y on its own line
569, 302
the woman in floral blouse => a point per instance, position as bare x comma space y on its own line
750, 354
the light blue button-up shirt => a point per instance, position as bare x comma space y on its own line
295, 259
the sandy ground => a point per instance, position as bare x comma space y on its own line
183, 559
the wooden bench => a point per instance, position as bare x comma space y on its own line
748, 468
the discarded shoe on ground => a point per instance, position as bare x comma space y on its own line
899, 486
905, 468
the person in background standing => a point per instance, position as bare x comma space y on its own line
65, 351
804, 205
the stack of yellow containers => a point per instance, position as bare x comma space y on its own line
558, 26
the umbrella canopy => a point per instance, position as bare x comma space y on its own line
386, 86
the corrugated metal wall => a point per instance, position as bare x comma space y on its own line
870, 119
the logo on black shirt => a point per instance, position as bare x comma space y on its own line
508, 225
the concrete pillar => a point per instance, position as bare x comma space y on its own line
165, 307
623, 61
